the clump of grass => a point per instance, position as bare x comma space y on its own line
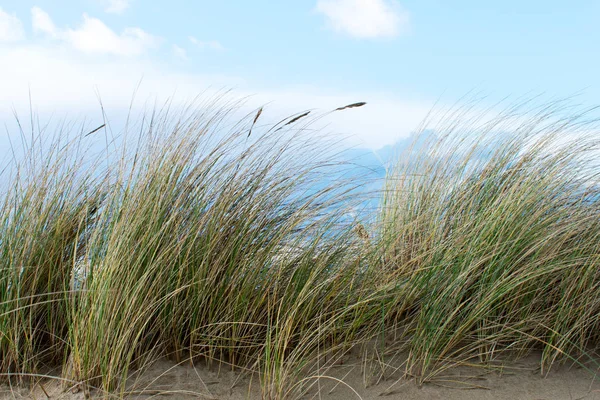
210, 244
44, 217
494, 240
232, 243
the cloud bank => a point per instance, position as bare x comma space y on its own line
69, 70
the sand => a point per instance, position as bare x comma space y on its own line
519, 380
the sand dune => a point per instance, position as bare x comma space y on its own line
519, 380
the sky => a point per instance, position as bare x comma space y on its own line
401, 57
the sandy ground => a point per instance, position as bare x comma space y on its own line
522, 380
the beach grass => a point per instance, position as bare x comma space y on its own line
207, 238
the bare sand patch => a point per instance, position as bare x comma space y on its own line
517, 380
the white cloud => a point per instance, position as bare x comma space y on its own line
209, 44
94, 37
180, 52
42, 23
365, 18
117, 6
11, 28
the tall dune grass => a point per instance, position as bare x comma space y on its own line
204, 239
44, 215
212, 246
493, 229
194, 240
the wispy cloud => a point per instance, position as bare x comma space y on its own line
365, 18
180, 52
93, 36
117, 6
42, 23
11, 28
209, 44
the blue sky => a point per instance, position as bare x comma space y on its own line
399, 56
